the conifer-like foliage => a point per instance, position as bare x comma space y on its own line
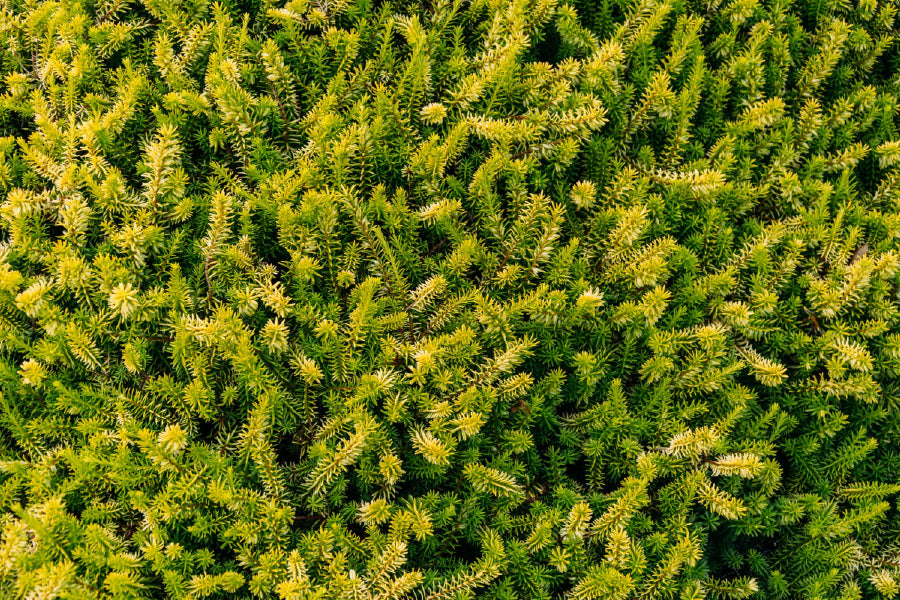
452, 299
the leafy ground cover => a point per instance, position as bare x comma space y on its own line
501, 299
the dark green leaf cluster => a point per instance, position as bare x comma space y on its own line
500, 299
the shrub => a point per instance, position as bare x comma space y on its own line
502, 299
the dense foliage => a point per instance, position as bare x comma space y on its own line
502, 299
